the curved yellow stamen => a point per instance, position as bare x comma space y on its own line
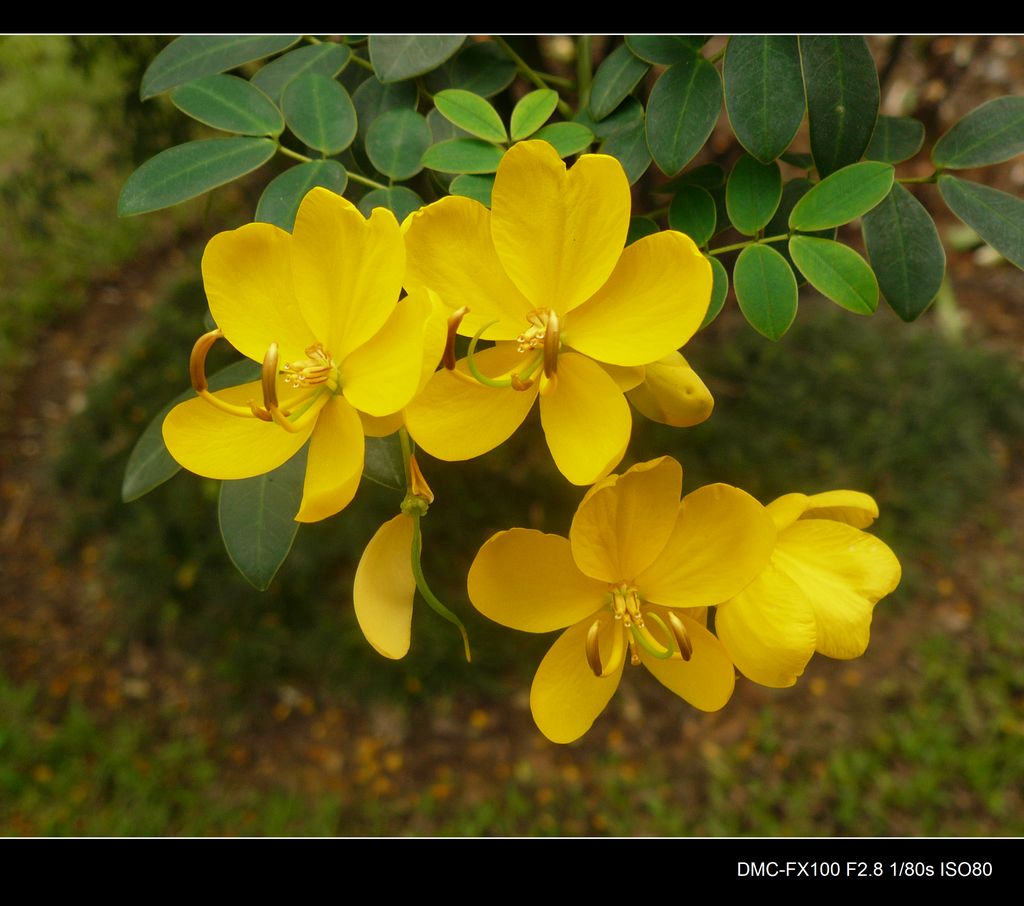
681, 636
454, 320
551, 344
268, 375
197, 374
593, 650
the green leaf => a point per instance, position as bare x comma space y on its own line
693, 212
765, 289
990, 134
707, 176
324, 59
764, 92
194, 56
842, 98
995, 216
843, 196
397, 57
463, 155
373, 98
665, 49
441, 130
752, 194
640, 227
719, 290
478, 187
481, 67
895, 139
397, 199
905, 251
384, 463
280, 200
837, 272
257, 519
320, 113
566, 138
395, 143
229, 103
149, 464
792, 192
682, 111
625, 116
471, 112
532, 112
615, 78
798, 159
629, 147
188, 170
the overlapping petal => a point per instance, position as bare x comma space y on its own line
558, 233
385, 587
216, 444
653, 302
852, 507
335, 462
586, 420
528, 580
672, 393
706, 680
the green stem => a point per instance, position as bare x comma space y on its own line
428, 595
372, 183
313, 39
742, 245
530, 74
716, 57
287, 152
584, 70
407, 451
359, 61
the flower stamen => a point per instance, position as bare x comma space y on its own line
197, 374
454, 320
681, 636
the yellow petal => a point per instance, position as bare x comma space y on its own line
247, 275
586, 420
558, 234
843, 572
852, 507
566, 696
706, 680
620, 529
384, 588
785, 510
449, 250
625, 378
768, 629
347, 271
527, 580
382, 375
721, 541
435, 337
216, 444
382, 426
335, 462
653, 302
672, 393
452, 419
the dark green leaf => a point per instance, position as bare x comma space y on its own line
463, 155
566, 138
995, 216
532, 112
764, 92
682, 111
615, 78
395, 143
384, 462
842, 98
626, 116
752, 194
280, 200
257, 519
472, 113
149, 464
640, 227
765, 289
397, 57
895, 139
693, 212
707, 176
905, 251
441, 130
229, 103
478, 187
629, 147
194, 56
798, 159
837, 272
665, 49
324, 59
372, 98
991, 133
481, 67
719, 290
397, 199
843, 196
188, 170
320, 112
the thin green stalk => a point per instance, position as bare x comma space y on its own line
407, 451
313, 39
428, 595
359, 61
584, 70
363, 180
295, 155
530, 74
742, 245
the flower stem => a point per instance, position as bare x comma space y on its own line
530, 74
428, 595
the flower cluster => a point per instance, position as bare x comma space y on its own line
584, 323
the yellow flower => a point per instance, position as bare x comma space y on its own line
546, 269
319, 309
817, 593
385, 587
632, 579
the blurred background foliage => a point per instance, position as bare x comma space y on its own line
145, 688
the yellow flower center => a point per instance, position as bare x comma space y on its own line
317, 368
544, 333
629, 629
